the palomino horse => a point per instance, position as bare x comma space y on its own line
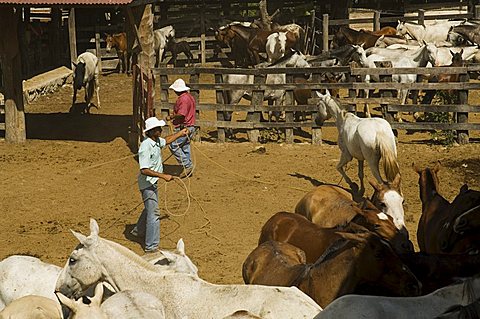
119, 42
86, 75
369, 139
350, 264
183, 296
423, 307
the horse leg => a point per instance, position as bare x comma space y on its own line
74, 95
360, 177
373, 163
344, 159
97, 91
402, 94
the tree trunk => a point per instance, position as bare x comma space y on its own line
145, 30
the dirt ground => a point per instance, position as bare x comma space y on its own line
76, 167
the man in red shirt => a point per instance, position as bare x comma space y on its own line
183, 117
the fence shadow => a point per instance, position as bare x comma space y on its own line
100, 128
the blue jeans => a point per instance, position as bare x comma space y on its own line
182, 154
148, 223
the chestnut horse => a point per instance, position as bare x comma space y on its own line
314, 240
119, 42
383, 31
318, 205
352, 262
346, 35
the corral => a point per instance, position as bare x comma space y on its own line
79, 166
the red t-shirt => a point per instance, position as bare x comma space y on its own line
185, 105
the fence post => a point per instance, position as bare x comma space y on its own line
421, 16
462, 117
316, 130
257, 100
289, 100
220, 114
386, 93
376, 21
352, 93
97, 48
194, 78
136, 127
325, 33
72, 35
164, 107
311, 40
477, 12
202, 38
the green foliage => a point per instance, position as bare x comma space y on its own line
446, 137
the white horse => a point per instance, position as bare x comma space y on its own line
366, 139
26, 275
420, 58
86, 75
276, 97
423, 307
182, 295
275, 47
432, 33
122, 305
160, 37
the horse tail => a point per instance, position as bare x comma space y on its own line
388, 153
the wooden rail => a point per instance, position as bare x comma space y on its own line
202, 79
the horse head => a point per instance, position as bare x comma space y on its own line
401, 28
82, 269
80, 309
388, 197
79, 75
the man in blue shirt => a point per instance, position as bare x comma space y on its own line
151, 169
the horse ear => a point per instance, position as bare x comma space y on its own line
97, 298
464, 188
64, 300
424, 42
451, 53
396, 181
327, 93
74, 64
94, 229
416, 168
81, 238
181, 246
375, 184
461, 52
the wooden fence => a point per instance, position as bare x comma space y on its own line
210, 79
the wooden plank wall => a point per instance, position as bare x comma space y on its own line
253, 123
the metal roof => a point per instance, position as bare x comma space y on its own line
65, 2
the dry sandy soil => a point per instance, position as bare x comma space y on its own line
76, 167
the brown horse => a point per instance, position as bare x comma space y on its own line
436, 233
318, 205
351, 263
434, 209
439, 270
346, 35
313, 239
383, 31
119, 42
237, 37
178, 47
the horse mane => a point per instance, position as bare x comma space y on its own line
334, 249
127, 253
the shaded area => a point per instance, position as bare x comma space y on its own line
469, 168
77, 127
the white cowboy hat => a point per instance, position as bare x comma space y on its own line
179, 86
153, 122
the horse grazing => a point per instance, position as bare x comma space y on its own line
160, 37
179, 47
423, 307
369, 139
119, 42
86, 75
182, 295
350, 264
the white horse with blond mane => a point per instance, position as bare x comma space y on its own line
366, 139
183, 296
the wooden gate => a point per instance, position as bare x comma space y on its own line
142, 105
